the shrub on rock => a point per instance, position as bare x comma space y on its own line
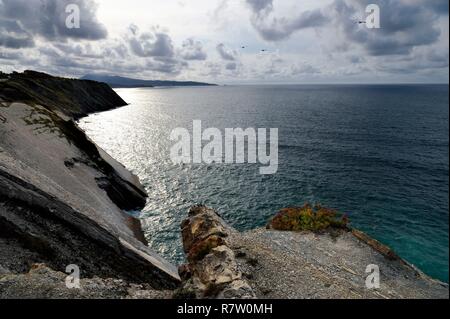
308, 218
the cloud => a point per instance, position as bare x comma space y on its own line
46, 19
157, 48
154, 43
6, 55
439, 6
171, 66
404, 25
305, 69
411, 45
13, 36
259, 6
420, 61
85, 50
213, 70
232, 66
355, 59
193, 50
226, 53
272, 28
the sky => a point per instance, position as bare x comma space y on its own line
230, 41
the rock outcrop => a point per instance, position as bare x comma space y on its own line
212, 270
267, 263
62, 198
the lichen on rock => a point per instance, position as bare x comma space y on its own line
212, 271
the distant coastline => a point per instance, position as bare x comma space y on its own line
123, 82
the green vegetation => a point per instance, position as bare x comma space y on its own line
308, 218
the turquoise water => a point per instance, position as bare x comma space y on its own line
378, 153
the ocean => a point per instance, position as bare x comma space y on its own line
379, 153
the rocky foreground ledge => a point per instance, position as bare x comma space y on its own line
268, 263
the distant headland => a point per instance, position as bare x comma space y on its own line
123, 82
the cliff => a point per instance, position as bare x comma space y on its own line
73, 98
62, 198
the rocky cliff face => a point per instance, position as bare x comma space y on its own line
61, 196
73, 98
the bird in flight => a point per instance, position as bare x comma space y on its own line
358, 21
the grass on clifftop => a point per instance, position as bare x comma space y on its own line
308, 218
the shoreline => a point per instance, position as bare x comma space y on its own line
58, 179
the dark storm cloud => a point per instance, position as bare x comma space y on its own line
157, 48
150, 44
79, 50
193, 50
274, 28
438, 58
439, 6
404, 25
226, 53
13, 36
47, 19
260, 5
11, 55
113, 49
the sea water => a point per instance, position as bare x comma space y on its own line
379, 153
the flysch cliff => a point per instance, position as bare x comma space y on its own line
62, 198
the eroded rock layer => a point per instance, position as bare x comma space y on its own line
62, 198
212, 270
